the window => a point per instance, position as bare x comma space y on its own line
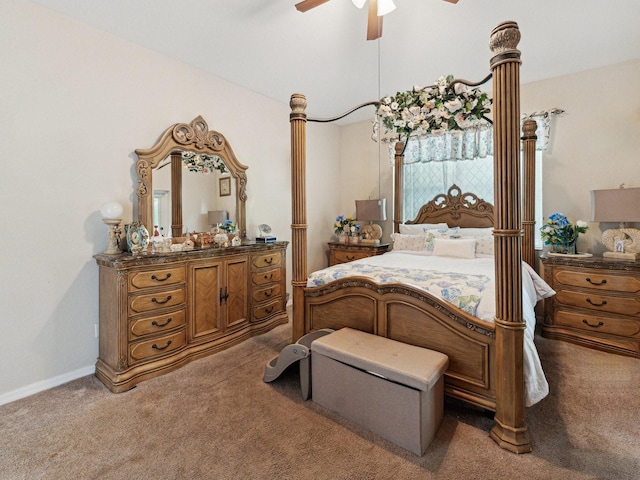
422, 181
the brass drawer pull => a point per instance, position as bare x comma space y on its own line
269, 310
604, 302
153, 277
160, 325
268, 277
597, 284
351, 258
155, 347
584, 320
268, 293
268, 260
161, 302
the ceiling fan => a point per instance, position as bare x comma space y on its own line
377, 10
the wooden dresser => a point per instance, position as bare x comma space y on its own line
348, 252
159, 312
597, 303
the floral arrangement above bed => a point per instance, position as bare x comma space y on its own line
561, 234
201, 162
434, 109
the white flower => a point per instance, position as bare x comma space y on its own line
453, 105
394, 106
581, 224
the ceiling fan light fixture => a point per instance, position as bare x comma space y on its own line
385, 6
359, 3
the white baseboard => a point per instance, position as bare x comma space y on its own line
45, 385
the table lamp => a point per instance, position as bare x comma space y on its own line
371, 211
217, 217
112, 216
618, 205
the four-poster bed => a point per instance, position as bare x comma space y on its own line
486, 358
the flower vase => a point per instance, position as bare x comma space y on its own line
564, 248
342, 238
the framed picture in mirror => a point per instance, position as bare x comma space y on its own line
225, 186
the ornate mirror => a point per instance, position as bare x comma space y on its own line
187, 173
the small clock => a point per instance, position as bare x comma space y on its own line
264, 230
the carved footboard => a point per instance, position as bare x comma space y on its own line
412, 316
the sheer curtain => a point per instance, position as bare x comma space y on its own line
434, 162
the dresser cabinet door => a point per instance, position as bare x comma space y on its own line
236, 292
205, 299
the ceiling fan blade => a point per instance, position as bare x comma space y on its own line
451, 1
374, 23
309, 4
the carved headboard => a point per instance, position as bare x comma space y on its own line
456, 209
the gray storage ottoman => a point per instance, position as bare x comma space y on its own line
394, 389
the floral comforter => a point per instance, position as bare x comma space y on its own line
463, 290
467, 283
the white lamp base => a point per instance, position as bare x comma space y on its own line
113, 245
629, 257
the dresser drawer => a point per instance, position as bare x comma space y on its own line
155, 301
267, 293
269, 276
595, 323
266, 310
159, 323
156, 278
344, 257
268, 260
597, 302
163, 345
599, 280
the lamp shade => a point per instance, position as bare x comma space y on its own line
371, 210
385, 6
217, 217
615, 205
111, 210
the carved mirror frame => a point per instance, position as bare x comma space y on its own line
194, 137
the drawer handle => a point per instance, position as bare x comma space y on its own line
269, 310
160, 325
597, 284
604, 302
153, 277
268, 293
584, 320
155, 347
161, 302
268, 260
351, 258
268, 277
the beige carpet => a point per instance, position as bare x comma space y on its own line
217, 419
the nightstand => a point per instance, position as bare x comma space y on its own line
597, 303
348, 252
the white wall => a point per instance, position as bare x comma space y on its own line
77, 102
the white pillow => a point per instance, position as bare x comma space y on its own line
484, 245
460, 247
408, 242
440, 233
418, 228
476, 232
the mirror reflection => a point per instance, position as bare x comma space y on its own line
201, 190
189, 172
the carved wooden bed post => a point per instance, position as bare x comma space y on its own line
298, 120
398, 185
509, 431
529, 191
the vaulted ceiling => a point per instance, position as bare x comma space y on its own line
269, 47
